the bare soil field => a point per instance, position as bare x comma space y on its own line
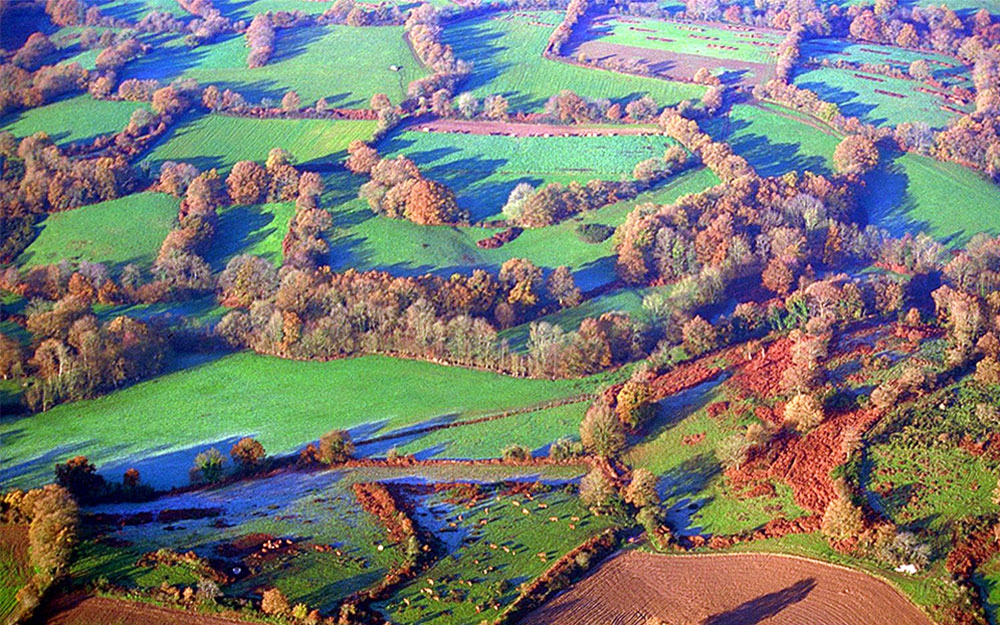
515, 129
89, 610
15, 538
675, 66
639, 588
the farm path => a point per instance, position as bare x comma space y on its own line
637, 588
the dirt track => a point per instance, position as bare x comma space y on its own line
740, 589
80, 610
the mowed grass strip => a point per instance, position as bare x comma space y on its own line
339, 63
506, 51
77, 119
161, 424
220, 141
127, 230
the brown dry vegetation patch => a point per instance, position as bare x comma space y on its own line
638, 588
672, 65
86, 610
761, 377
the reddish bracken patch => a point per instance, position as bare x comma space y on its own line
804, 462
694, 439
761, 377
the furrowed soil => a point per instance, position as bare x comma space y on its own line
638, 588
89, 610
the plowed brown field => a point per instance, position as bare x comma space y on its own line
739, 589
84, 610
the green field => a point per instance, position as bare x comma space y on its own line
918, 194
495, 557
857, 97
366, 241
161, 424
219, 141
256, 230
73, 120
116, 233
506, 51
534, 430
483, 169
344, 65
948, 69
700, 40
775, 140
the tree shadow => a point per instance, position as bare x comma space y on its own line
683, 484
243, 227
763, 608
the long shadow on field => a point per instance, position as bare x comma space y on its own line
762, 608
847, 101
292, 42
683, 485
474, 41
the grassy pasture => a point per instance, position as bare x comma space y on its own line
118, 232
220, 141
345, 65
535, 430
315, 508
72, 120
857, 97
495, 557
506, 50
161, 424
948, 69
256, 230
700, 40
366, 241
483, 169
775, 140
917, 194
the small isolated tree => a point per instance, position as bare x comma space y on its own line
804, 412
732, 451
601, 432
208, 466
131, 479
514, 208
273, 601
248, 453
467, 105
335, 447
635, 403
856, 154
516, 453
641, 491
842, 519
565, 448
596, 491
291, 101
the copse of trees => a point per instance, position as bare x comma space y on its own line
260, 39
423, 31
398, 190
